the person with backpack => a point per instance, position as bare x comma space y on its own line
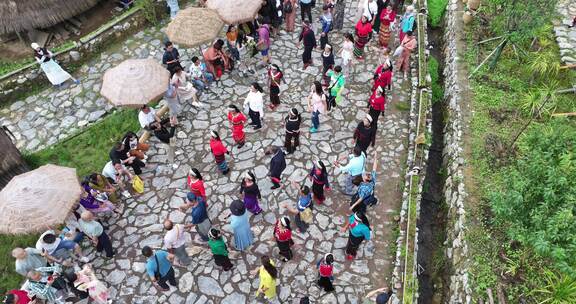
159, 268
289, 8
365, 197
407, 22
337, 82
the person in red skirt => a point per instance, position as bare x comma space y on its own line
196, 183
237, 121
377, 105
383, 74
219, 151
319, 177
283, 236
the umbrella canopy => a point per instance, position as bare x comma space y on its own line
194, 26
237, 11
20, 15
38, 200
135, 82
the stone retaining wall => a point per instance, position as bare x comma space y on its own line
456, 88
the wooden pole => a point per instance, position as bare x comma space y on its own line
486, 59
564, 114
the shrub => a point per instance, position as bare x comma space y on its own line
436, 9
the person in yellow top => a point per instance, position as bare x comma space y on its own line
268, 274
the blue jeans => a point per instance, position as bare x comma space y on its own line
316, 119
199, 84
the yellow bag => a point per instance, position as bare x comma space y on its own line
306, 216
137, 184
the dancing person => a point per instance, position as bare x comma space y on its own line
254, 102
292, 127
175, 242
365, 197
171, 57
159, 268
199, 75
359, 230
277, 165
387, 17
290, 14
408, 45
184, 89
53, 71
303, 211
326, 272
217, 62
353, 169
306, 10
95, 233
383, 74
326, 21
283, 237
319, 177
28, 259
347, 52
275, 76
219, 151
240, 224
263, 43
308, 39
219, 250
407, 22
337, 82
363, 31
249, 188
377, 105
237, 121
327, 63
196, 183
365, 135
317, 105
267, 274
199, 216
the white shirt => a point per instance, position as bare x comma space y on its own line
50, 248
370, 9
146, 119
255, 101
174, 238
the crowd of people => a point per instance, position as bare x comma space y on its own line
56, 267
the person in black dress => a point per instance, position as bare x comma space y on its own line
327, 63
292, 125
365, 134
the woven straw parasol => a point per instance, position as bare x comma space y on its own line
38, 200
135, 82
236, 11
194, 26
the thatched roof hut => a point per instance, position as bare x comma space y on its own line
11, 162
21, 15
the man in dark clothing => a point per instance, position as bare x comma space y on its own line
171, 58
161, 131
306, 10
277, 165
365, 134
309, 40
119, 156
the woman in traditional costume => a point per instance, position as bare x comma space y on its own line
377, 105
359, 230
274, 78
364, 135
292, 126
251, 192
237, 121
219, 151
219, 250
363, 31
196, 183
283, 236
383, 74
319, 177
326, 272
387, 17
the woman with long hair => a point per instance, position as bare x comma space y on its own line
377, 105
363, 30
326, 272
254, 102
319, 177
359, 230
289, 7
251, 192
283, 236
347, 51
268, 275
216, 60
317, 105
184, 88
387, 17
275, 76
237, 121
292, 126
219, 151
196, 183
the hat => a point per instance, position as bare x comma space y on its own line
214, 134
214, 233
357, 217
319, 164
192, 172
249, 175
293, 111
379, 89
285, 221
237, 208
369, 117
34, 45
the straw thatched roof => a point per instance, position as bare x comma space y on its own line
21, 15
236, 11
194, 26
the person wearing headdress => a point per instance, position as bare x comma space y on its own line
383, 74
199, 215
359, 230
363, 31
326, 272
275, 76
309, 40
237, 121
196, 183
219, 151
219, 250
283, 236
387, 17
292, 126
303, 210
54, 72
277, 165
243, 236
364, 135
319, 177
251, 192
327, 63
377, 105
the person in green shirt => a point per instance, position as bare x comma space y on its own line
219, 250
337, 82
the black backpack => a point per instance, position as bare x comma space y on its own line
287, 7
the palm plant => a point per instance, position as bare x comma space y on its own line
558, 289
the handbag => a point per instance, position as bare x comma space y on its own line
137, 184
398, 51
331, 100
306, 216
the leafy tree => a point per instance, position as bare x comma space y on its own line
537, 203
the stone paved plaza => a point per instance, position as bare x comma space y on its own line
41, 120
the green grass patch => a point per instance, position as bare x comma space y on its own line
436, 9
403, 106
437, 87
10, 279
